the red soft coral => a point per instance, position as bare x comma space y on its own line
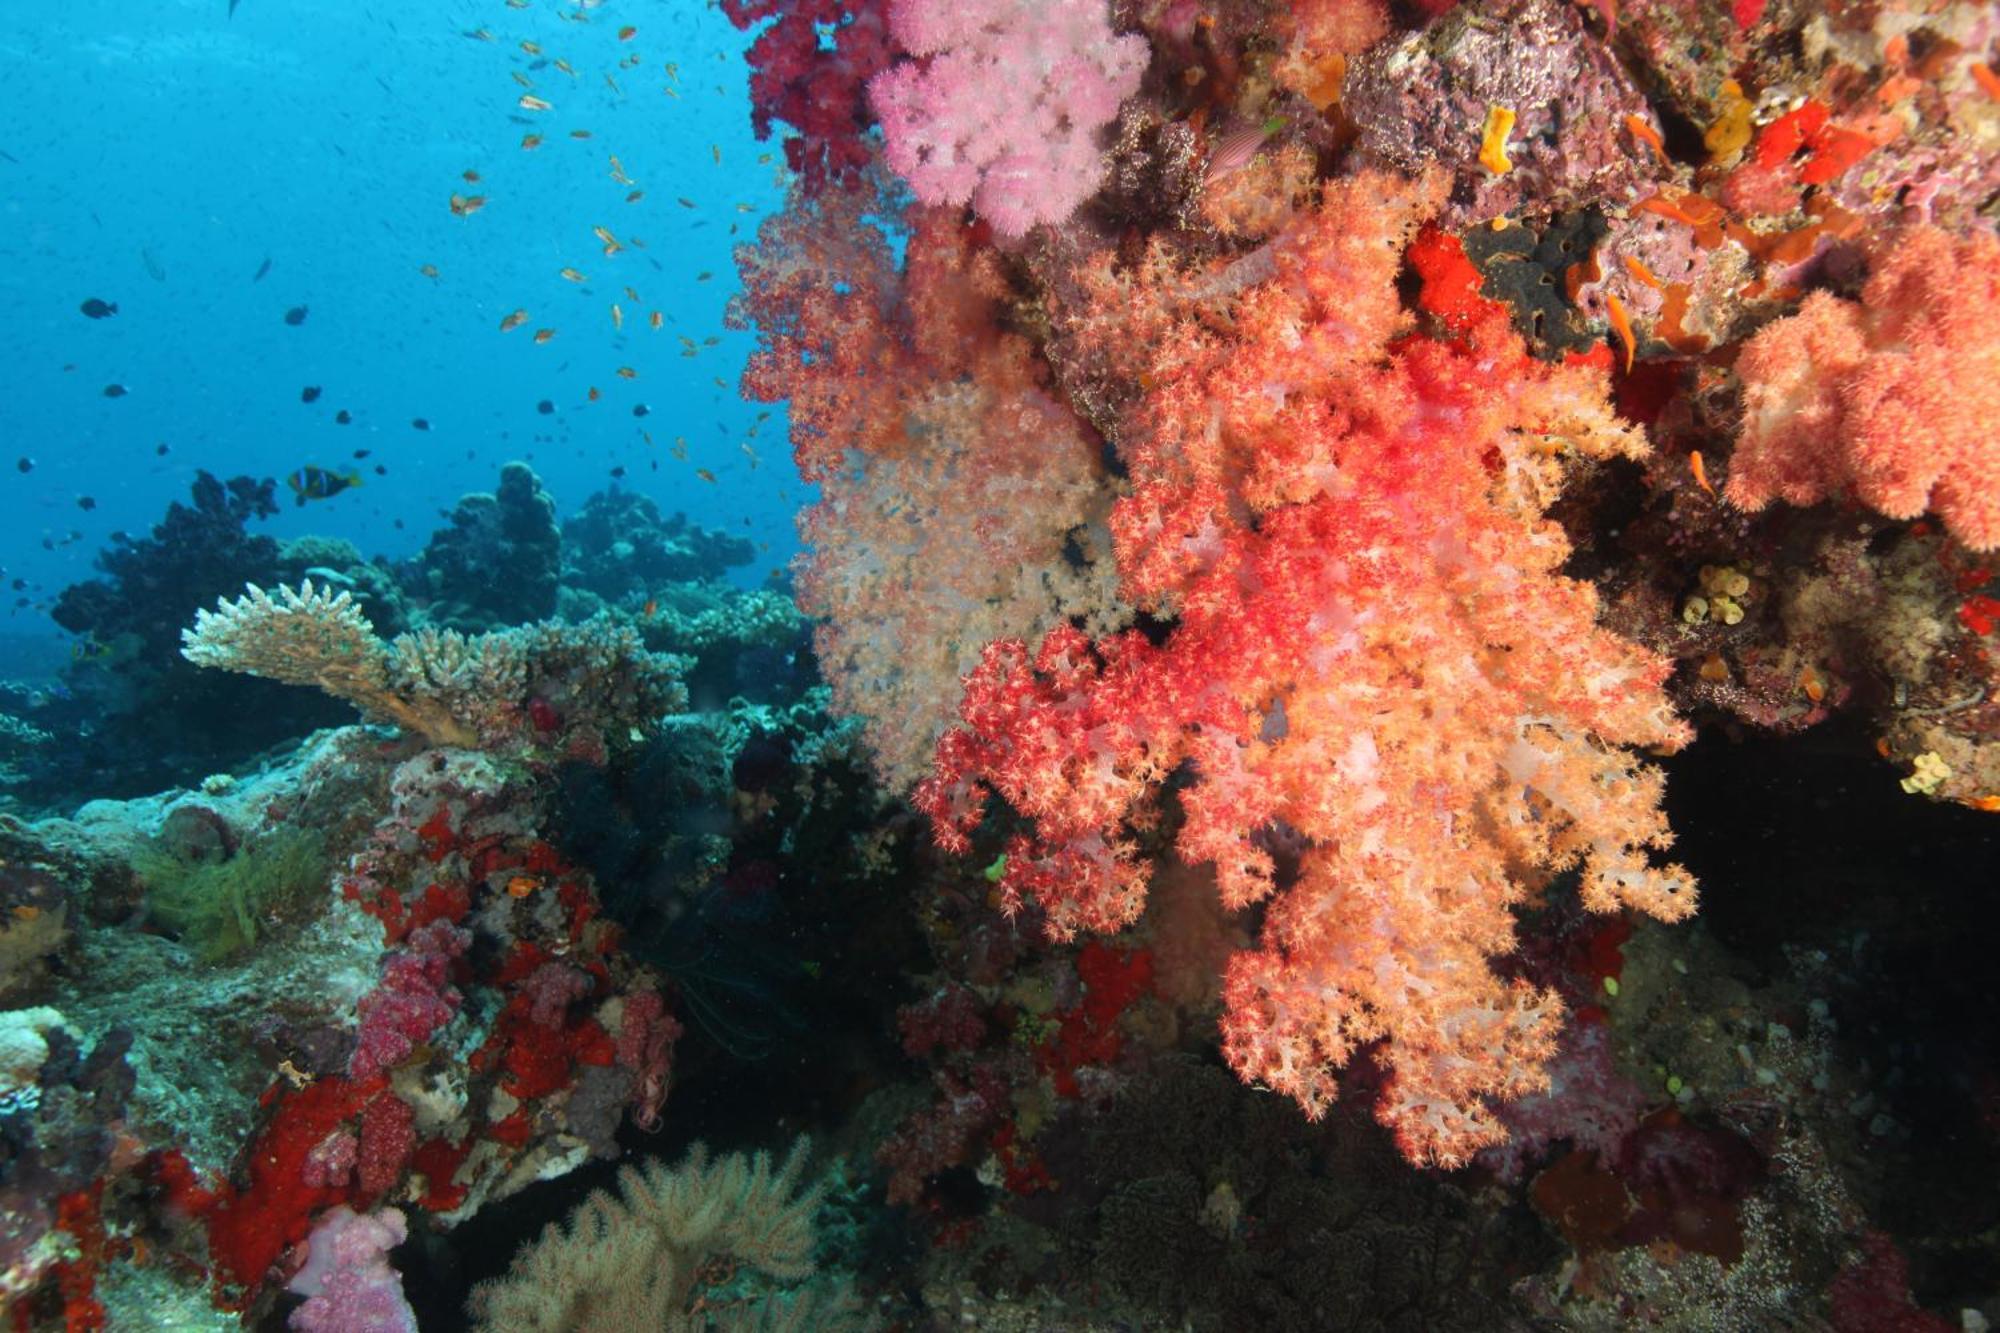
1891, 400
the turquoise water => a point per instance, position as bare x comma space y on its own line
161, 156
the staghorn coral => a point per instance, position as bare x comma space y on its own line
304, 636
562, 686
642, 1259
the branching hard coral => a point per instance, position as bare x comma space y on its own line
1376, 657
547, 683
1892, 399
307, 636
646, 1258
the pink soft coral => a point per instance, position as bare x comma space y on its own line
347, 1281
1891, 400
1006, 109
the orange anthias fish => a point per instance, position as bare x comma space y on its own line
513, 321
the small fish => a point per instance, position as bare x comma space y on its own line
24, 464
419, 423
309, 394
750, 454
571, 275
317, 483
545, 407
115, 391
657, 319
85, 503
716, 149
543, 335
631, 295
478, 34
618, 472
651, 609
704, 276
161, 449
635, 196
471, 177
296, 315
593, 395
604, 234
705, 475
521, 78
626, 34
531, 48
680, 450
617, 316
465, 205
1622, 326
641, 410
430, 271
529, 102
564, 66
579, 134
96, 309
262, 269
627, 373
513, 321
363, 453
531, 141
342, 417
380, 471
684, 201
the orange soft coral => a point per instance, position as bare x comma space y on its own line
1891, 400
1375, 658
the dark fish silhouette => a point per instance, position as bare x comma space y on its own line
232, 8
296, 316
262, 269
96, 309
317, 483
309, 394
115, 391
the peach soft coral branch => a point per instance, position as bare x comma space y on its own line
1891, 399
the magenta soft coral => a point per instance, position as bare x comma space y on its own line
1891, 400
413, 1000
817, 87
1006, 108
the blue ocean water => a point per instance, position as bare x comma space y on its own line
209, 172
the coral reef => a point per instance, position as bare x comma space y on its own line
1328, 516
499, 562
